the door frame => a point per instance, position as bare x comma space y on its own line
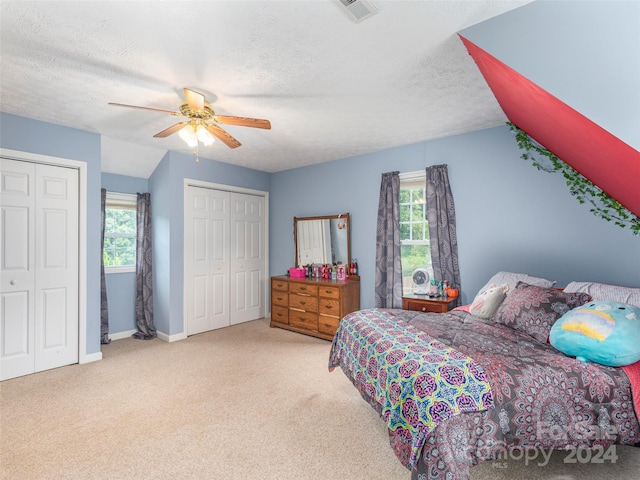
82, 168
226, 188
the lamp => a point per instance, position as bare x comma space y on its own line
195, 132
188, 134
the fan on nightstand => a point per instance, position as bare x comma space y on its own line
421, 281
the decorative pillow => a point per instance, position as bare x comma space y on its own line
486, 303
512, 280
603, 291
533, 310
603, 332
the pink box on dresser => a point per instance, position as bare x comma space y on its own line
297, 272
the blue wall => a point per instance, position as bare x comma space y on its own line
19, 133
166, 186
510, 216
121, 287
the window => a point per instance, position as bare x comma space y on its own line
415, 248
119, 252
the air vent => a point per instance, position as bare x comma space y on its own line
359, 10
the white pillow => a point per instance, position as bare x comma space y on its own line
604, 291
486, 303
512, 280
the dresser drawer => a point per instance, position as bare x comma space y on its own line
303, 302
280, 314
329, 292
303, 288
279, 298
279, 285
328, 324
302, 319
327, 306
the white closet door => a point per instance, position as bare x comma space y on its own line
56, 270
39, 263
17, 309
219, 259
207, 262
247, 257
225, 265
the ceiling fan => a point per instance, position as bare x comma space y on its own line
201, 121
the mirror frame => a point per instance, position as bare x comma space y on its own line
345, 216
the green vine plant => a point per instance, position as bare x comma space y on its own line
602, 205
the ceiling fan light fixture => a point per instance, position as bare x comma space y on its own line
195, 128
188, 134
204, 135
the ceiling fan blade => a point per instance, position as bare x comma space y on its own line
172, 129
195, 100
227, 139
147, 108
243, 121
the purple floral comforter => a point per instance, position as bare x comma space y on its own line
416, 381
543, 399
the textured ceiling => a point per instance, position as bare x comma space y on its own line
332, 88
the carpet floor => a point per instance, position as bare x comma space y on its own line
240, 403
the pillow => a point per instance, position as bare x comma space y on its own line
533, 310
486, 303
602, 331
512, 280
603, 291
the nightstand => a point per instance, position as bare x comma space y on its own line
424, 303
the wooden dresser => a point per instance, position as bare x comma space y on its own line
312, 306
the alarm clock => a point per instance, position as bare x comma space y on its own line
421, 281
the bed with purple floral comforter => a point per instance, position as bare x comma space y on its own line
541, 398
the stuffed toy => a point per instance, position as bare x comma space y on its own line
603, 332
487, 302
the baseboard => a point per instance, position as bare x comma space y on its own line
90, 357
121, 335
161, 336
171, 338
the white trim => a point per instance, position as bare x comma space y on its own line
92, 357
123, 201
171, 338
127, 269
226, 188
413, 175
121, 335
121, 197
82, 168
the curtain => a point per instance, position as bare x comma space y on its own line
144, 274
104, 305
441, 215
388, 281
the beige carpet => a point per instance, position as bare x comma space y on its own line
245, 402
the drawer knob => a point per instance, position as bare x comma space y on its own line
424, 309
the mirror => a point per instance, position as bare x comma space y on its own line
320, 240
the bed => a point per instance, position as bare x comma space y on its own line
457, 389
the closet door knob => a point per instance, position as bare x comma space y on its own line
12, 282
